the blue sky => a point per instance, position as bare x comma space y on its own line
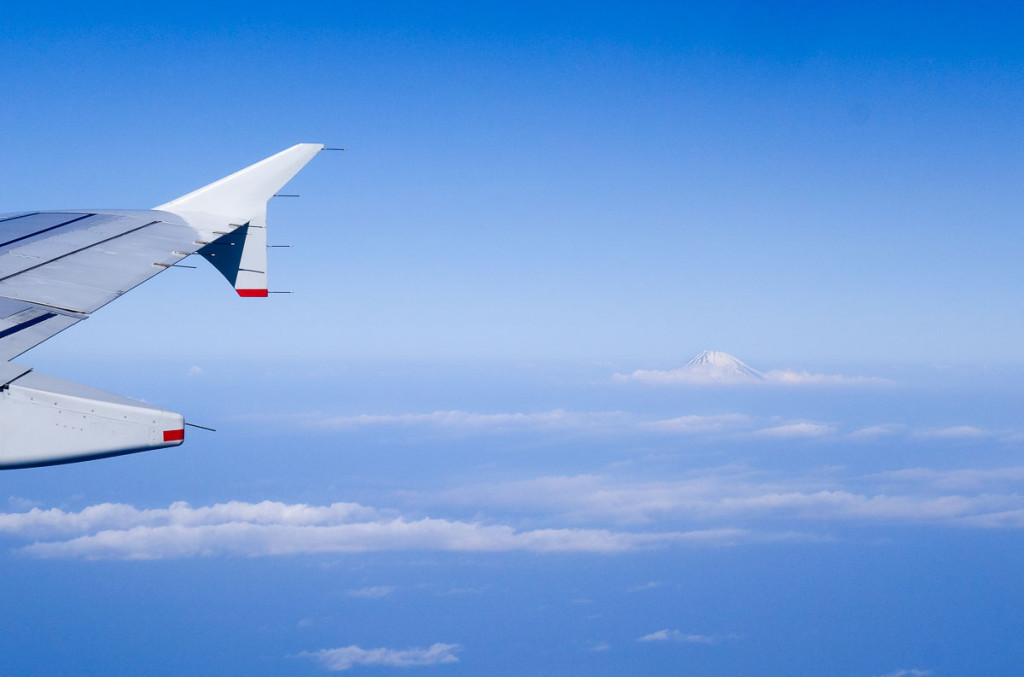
433, 456
568, 182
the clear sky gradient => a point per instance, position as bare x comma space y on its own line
432, 458
593, 181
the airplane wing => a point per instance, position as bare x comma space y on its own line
57, 268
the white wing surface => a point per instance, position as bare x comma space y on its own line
57, 268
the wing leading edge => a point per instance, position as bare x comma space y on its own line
57, 268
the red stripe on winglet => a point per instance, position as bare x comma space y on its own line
174, 435
252, 293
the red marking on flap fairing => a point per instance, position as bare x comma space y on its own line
251, 293
174, 435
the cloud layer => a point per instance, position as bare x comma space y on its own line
741, 497
118, 531
590, 513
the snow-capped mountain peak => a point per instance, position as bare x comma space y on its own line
718, 365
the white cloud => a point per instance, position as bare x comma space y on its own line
910, 672
351, 656
686, 638
775, 427
796, 430
117, 531
872, 432
121, 517
697, 425
372, 592
730, 424
787, 377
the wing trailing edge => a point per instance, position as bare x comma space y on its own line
48, 421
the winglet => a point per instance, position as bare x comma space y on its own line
239, 202
244, 194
